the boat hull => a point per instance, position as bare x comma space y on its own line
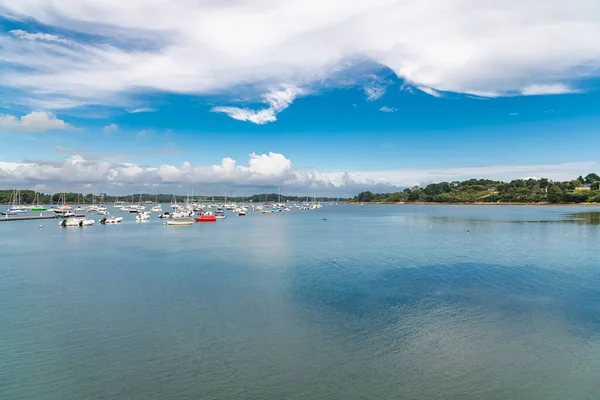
174, 222
206, 218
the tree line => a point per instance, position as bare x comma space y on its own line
28, 197
581, 190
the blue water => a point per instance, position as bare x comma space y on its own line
375, 302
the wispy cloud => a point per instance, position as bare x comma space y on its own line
21, 34
277, 100
546, 89
412, 177
387, 109
143, 133
68, 150
109, 129
429, 91
375, 91
141, 110
36, 121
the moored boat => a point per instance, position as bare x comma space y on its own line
206, 218
142, 216
74, 221
111, 220
180, 222
220, 214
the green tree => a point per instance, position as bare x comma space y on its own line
555, 194
365, 197
595, 185
591, 178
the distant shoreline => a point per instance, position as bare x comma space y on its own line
480, 203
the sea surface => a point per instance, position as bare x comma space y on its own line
345, 302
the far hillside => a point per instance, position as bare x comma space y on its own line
580, 190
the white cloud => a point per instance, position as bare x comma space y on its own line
112, 128
36, 121
387, 109
21, 34
554, 88
141, 110
278, 100
430, 91
485, 48
375, 92
263, 171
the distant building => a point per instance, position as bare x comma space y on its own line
583, 187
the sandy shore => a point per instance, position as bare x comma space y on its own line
486, 204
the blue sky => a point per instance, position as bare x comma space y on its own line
104, 98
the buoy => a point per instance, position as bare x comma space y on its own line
40, 227
468, 231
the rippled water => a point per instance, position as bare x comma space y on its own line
375, 302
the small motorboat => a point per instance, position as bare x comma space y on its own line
206, 218
166, 215
142, 216
111, 220
241, 213
220, 214
69, 222
180, 222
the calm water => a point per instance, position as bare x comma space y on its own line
376, 302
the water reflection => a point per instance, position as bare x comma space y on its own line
580, 218
586, 218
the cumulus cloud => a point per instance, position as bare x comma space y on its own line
36, 121
485, 48
277, 100
387, 109
262, 171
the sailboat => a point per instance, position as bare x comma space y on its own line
174, 204
15, 204
157, 207
36, 203
63, 210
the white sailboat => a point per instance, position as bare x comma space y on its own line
15, 204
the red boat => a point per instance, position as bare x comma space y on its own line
206, 218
